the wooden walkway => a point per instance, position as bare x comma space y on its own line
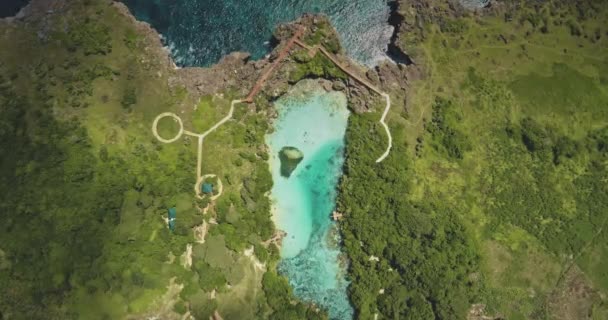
313, 51
284, 52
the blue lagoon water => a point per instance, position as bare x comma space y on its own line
313, 121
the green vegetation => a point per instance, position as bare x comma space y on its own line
85, 187
493, 199
129, 98
323, 34
278, 292
426, 262
316, 67
90, 36
290, 158
446, 139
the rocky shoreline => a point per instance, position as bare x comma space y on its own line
238, 72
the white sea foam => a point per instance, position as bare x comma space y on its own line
365, 34
206, 30
474, 4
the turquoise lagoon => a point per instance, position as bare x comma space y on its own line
313, 121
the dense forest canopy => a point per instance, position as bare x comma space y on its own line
493, 202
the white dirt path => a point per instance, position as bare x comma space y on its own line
388, 131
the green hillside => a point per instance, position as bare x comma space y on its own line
86, 188
495, 198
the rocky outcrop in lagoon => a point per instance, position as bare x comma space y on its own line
290, 158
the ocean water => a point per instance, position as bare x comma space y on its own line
313, 121
201, 32
9, 8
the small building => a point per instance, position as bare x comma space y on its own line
207, 188
172, 212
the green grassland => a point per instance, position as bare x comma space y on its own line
85, 187
502, 146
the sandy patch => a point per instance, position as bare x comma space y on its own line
162, 308
186, 257
170, 258
256, 263
200, 232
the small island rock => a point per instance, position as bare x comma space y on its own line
290, 158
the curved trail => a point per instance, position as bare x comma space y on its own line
388, 131
313, 51
200, 136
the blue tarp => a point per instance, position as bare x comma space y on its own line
171, 214
207, 188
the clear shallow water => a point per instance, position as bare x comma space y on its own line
313, 121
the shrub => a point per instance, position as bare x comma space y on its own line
129, 98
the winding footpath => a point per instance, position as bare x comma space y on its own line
200, 136
388, 131
255, 90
